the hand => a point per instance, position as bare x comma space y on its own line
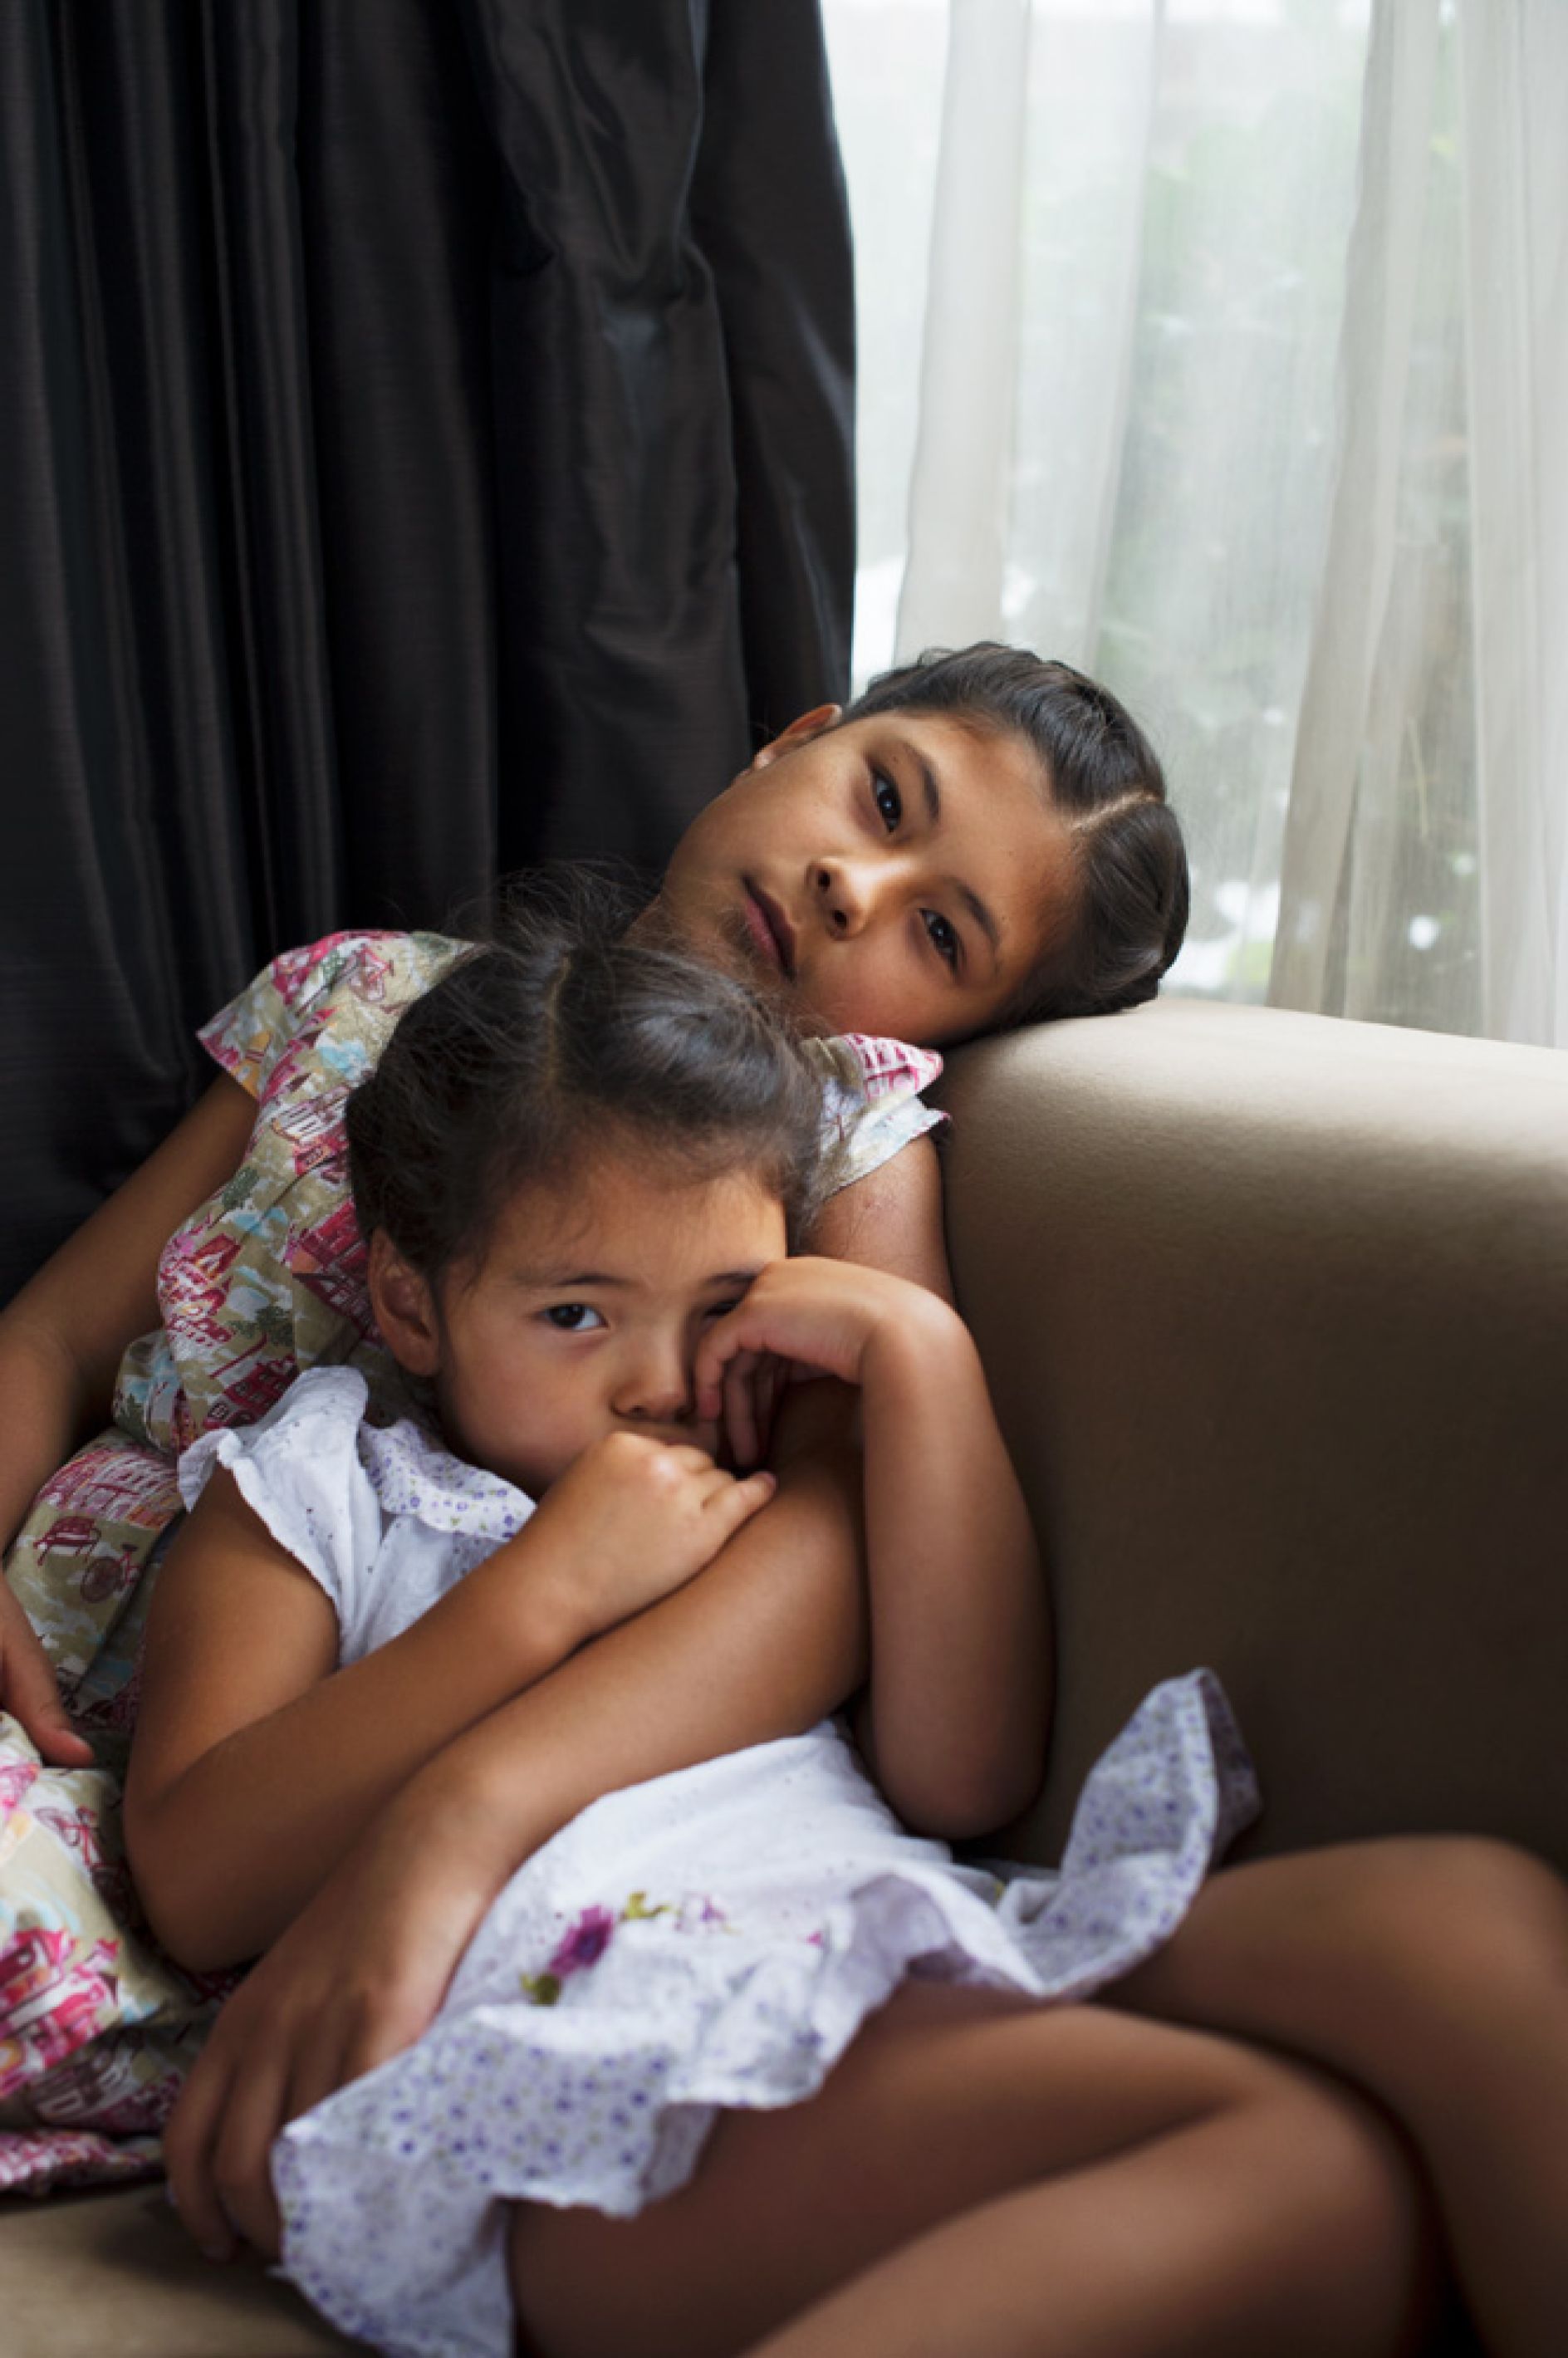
754, 1383
812, 1317
28, 1690
634, 1518
357, 1977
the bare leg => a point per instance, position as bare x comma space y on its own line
1433, 1972
985, 2177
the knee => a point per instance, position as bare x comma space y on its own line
1355, 2167
1350, 2187
1464, 1910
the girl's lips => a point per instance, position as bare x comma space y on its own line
768, 928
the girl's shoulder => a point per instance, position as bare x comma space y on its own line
297, 1468
872, 1105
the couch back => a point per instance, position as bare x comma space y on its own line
1275, 1312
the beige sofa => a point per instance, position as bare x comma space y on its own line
1276, 1312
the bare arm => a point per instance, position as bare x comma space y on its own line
63, 1335
945, 1515
257, 1762
61, 1340
257, 1765
957, 1711
892, 1221
956, 1718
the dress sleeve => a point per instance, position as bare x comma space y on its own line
872, 1106
250, 1035
300, 1470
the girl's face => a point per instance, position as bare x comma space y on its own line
585, 1315
899, 874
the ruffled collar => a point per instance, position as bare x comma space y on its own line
414, 1473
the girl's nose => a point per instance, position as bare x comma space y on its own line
655, 1388
844, 895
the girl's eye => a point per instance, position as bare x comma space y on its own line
942, 934
572, 1317
888, 800
722, 1309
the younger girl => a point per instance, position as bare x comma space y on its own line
580, 1165
733, 2061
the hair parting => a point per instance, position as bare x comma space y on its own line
559, 1039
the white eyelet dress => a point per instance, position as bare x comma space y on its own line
706, 1940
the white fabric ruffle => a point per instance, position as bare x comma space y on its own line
385, 1519
711, 1938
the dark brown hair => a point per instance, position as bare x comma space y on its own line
1104, 779
560, 1039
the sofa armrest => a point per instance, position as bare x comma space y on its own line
1275, 1311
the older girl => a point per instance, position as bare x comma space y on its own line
982, 838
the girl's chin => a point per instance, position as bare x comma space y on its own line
722, 936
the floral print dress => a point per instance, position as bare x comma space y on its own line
265, 1279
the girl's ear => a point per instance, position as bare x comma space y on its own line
799, 733
404, 1308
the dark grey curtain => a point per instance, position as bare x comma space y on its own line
424, 450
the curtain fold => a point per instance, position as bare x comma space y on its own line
1355, 579
424, 449
1030, 327
1514, 79
960, 487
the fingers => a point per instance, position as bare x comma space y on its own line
737, 1501
219, 2139
187, 2142
257, 2108
686, 1454
27, 1691
809, 1323
58, 1743
723, 1343
742, 1425
775, 1374
262, 2069
714, 1355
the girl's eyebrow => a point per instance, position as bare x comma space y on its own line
982, 917
547, 1280
931, 789
552, 1281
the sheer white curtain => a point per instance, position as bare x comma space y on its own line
1221, 346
